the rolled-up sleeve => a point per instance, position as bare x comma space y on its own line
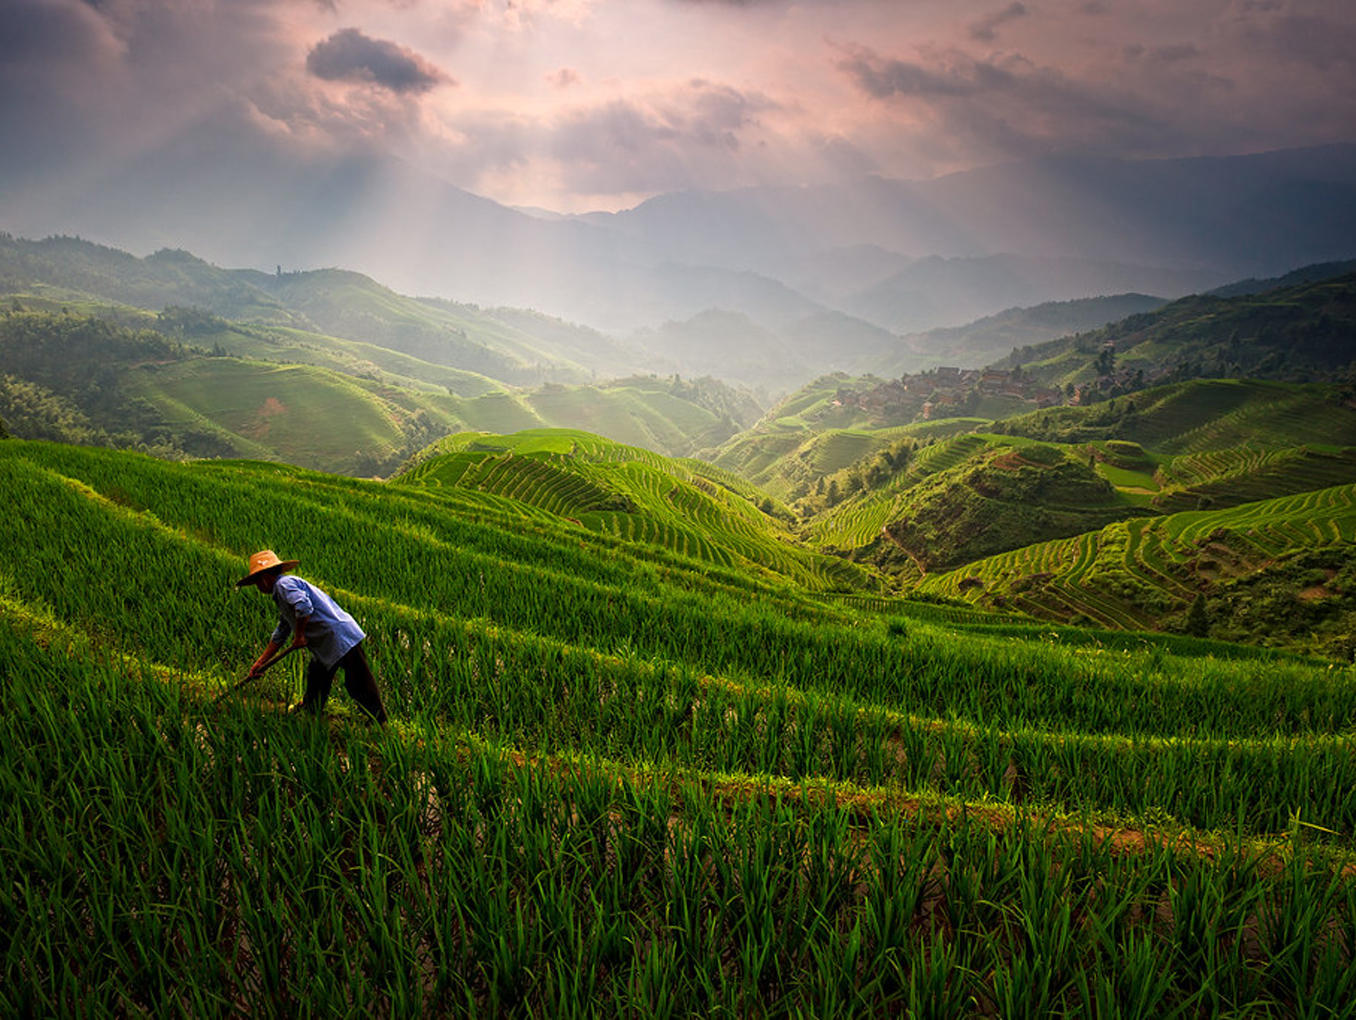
330, 632
294, 603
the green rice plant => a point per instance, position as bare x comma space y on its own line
617, 785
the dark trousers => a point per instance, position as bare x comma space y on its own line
358, 681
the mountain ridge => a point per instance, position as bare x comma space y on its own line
1204, 221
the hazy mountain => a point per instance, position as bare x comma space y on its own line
904, 254
1305, 274
1230, 215
996, 336
935, 292
726, 344
834, 342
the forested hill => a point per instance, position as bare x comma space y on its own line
508, 345
1299, 333
198, 386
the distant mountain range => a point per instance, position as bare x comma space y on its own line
469, 348
903, 256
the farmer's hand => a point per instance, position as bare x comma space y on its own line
257, 669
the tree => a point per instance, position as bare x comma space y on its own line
1197, 619
1106, 360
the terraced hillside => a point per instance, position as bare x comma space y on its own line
916, 507
791, 463
964, 498
621, 782
1282, 571
1202, 415
689, 507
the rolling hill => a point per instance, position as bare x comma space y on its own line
958, 500
918, 505
509, 346
78, 378
993, 337
621, 780
1279, 571
1299, 333
688, 507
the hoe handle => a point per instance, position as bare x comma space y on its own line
255, 675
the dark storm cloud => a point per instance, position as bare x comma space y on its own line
565, 77
986, 28
1161, 54
348, 55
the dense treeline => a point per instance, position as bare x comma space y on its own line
62, 381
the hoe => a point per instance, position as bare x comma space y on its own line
254, 676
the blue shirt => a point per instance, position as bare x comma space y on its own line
330, 632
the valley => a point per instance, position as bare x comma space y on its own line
960, 692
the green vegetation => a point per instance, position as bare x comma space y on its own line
622, 781
689, 507
992, 337
919, 502
651, 752
1279, 572
187, 359
514, 348
168, 393
963, 499
1300, 333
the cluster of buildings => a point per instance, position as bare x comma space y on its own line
946, 392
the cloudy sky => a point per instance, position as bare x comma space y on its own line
596, 104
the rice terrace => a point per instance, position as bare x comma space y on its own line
685, 766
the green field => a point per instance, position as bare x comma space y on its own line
622, 781
690, 508
945, 500
1139, 572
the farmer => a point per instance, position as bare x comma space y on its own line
315, 622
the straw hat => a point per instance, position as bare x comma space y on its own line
264, 561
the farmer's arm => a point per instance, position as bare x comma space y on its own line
299, 632
269, 651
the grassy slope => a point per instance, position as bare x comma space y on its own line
376, 394
1204, 443
1204, 414
595, 739
1282, 571
961, 498
690, 508
289, 412
229, 393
